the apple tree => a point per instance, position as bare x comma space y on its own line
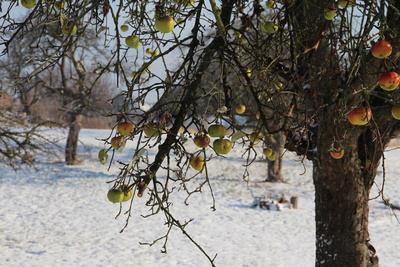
335, 65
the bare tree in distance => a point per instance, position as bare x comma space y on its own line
321, 52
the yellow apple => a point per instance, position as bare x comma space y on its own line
382, 49
127, 192
256, 137
149, 51
267, 151
115, 195
389, 81
165, 24
69, 29
124, 28
396, 112
201, 140
217, 130
271, 4
240, 109
337, 152
359, 116
270, 27
272, 157
151, 130
197, 163
329, 12
28, 3
125, 128
222, 146
133, 41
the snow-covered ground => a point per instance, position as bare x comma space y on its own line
60, 216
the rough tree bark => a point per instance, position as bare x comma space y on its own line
277, 143
72, 140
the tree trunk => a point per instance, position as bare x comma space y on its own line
72, 140
277, 143
341, 214
342, 189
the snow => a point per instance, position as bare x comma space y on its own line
59, 216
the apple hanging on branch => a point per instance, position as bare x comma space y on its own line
197, 163
201, 140
164, 24
125, 128
389, 81
222, 146
359, 116
217, 130
382, 49
337, 152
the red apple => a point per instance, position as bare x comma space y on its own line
116, 141
217, 130
396, 112
381, 49
389, 81
359, 116
201, 140
125, 128
197, 163
337, 152
222, 146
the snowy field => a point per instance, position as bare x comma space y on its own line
60, 216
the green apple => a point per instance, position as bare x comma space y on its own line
346, 3
222, 146
115, 195
270, 27
197, 163
124, 28
125, 128
133, 41
28, 3
69, 29
102, 156
329, 12
151, 130
217, 130
272, 157
165, 24
201, 140
127, 192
